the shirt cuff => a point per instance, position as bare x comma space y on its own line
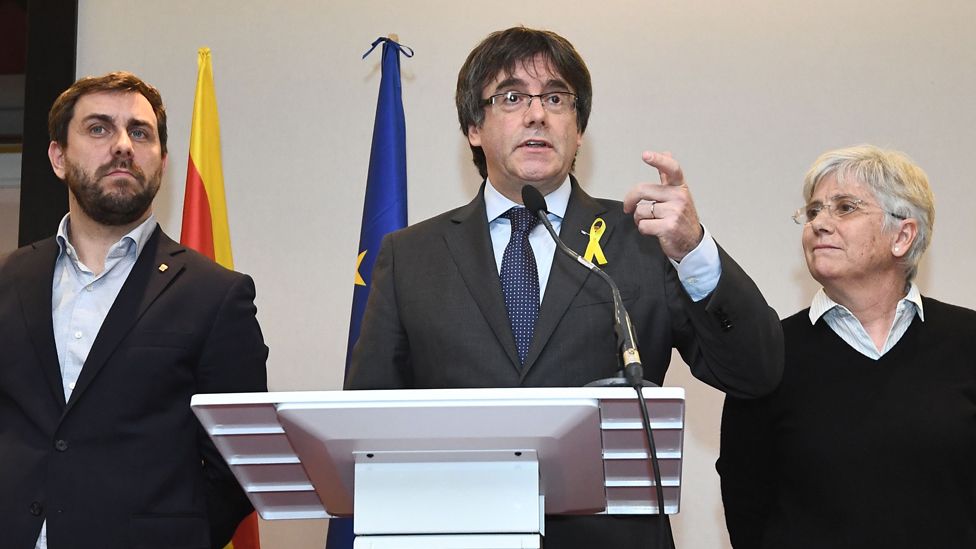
700, 270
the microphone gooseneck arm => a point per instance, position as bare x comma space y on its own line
622, 326
633, 371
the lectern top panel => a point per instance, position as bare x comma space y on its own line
295, 452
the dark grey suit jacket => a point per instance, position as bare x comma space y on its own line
123, 463
436, 318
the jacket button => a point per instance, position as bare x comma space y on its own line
723, 320
36, 509
61, 445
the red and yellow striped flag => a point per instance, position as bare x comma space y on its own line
205, 227
204, 209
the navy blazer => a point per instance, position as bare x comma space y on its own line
124, 463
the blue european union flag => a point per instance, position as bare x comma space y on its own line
384, 210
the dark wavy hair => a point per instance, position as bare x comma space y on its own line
63, 110
504, 51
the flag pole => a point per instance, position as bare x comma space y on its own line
205, 227
384, 209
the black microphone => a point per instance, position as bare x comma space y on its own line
633, 371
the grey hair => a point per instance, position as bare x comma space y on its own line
897, 183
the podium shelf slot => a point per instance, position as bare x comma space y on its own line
262, 460
627, 425
661, 455
237, 430
666, 482
265, 488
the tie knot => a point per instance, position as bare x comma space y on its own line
522, 219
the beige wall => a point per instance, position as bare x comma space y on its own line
746, 94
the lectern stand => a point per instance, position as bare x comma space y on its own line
448, 468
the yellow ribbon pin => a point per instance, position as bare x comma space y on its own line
593, 250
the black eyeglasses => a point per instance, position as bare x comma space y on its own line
513, 102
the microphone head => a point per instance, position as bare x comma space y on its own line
533, 200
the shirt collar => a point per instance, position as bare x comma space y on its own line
139, 236
557, 201
822, 304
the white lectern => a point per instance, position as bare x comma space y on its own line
448, 468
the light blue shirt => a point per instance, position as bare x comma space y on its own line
849, 328
698, 272
82, 299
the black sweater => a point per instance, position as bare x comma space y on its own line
851, 452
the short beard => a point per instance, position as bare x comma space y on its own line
118, 202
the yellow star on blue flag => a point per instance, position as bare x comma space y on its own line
359, 261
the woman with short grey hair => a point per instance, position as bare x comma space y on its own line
870, 440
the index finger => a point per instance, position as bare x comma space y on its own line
667, 166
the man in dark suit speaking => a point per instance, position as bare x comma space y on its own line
106, 330
478, 296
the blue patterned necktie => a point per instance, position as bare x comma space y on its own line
520, 279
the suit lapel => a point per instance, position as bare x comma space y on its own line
567, 276
145, 282
35, 287
469, 243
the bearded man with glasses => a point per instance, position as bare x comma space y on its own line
478, 296
870, 440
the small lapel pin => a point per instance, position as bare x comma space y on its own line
163, 267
